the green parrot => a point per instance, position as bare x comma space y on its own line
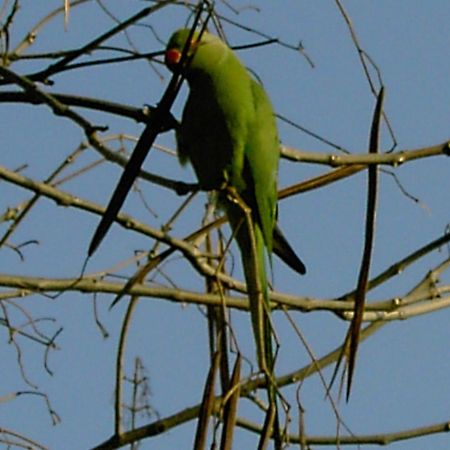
228, 133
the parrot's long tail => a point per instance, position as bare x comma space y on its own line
258, 293
251, 243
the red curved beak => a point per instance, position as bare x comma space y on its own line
172, 57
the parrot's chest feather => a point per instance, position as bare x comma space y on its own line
214, 131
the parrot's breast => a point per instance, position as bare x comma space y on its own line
213, 132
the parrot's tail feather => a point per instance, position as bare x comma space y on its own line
285, 252
250, 238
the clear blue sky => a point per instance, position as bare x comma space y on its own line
403, 371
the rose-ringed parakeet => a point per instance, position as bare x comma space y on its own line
228, 133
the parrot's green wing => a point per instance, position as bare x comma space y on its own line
262, 155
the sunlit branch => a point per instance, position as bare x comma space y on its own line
394, 159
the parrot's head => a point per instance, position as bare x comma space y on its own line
203, 51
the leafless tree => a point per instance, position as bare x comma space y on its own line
64, 146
